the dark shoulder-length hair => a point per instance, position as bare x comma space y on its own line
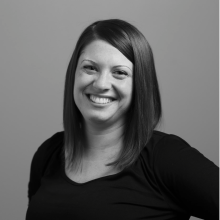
145, 111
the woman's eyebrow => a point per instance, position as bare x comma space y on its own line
89, 61
122, 66
97, 64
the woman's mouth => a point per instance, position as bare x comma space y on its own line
100, 100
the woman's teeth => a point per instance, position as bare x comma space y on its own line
99, 100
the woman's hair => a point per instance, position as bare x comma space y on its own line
145, 110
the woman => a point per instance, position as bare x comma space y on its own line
110, 163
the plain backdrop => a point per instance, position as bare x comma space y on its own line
37, 39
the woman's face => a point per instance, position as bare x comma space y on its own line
103, 83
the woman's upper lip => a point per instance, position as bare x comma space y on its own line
101, 96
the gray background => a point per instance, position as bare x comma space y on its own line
36, 41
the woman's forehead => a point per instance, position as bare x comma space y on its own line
103, 52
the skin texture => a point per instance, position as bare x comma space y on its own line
102, 71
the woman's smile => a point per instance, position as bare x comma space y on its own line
100, 100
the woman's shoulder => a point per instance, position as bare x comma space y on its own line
40, 161
184, 174
163, 148
51, 141
161, 140
170, 155
50, 145
159, 137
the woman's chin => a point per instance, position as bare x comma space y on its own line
99, 120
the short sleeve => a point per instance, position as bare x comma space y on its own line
187, 178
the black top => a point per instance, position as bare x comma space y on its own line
170, 180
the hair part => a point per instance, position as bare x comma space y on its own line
145, 111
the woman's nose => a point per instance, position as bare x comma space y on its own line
102, 82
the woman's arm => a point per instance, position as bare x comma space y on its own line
187, 178
40, 162
37, 167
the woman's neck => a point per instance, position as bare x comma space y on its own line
103, 143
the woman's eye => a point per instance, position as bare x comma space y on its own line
120, 74
89, 67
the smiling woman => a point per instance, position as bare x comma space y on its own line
110, 162
104, 51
